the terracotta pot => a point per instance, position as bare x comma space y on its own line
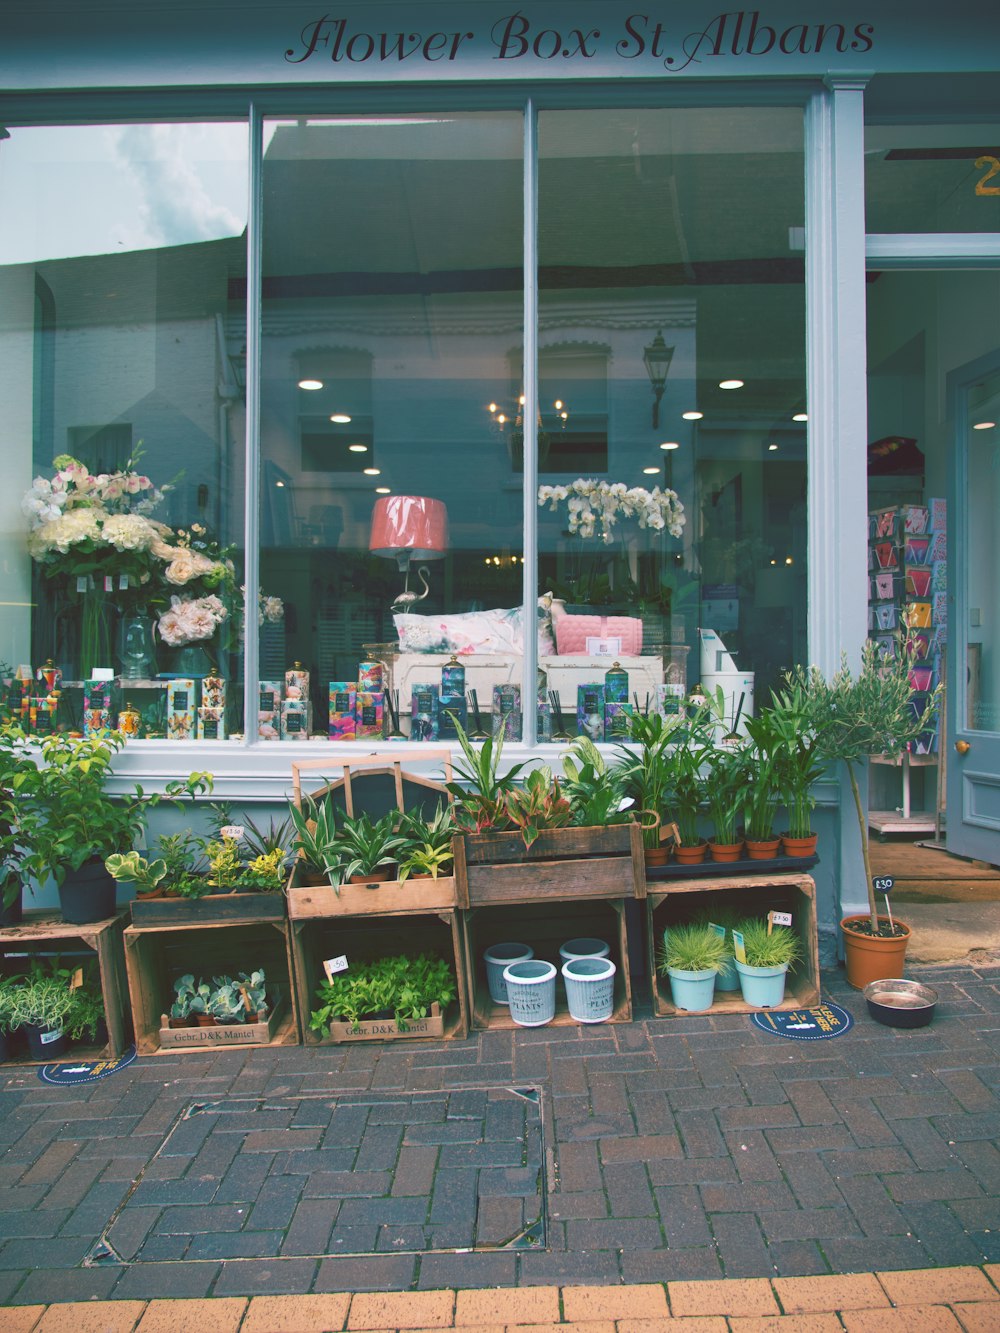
204, 1020
149, 893
872, 957
656, 856
765, 850
798, 846
690, 854
188, 1022
380, 876
725, 851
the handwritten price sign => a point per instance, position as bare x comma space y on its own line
883, 883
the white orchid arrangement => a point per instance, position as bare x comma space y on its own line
595, 507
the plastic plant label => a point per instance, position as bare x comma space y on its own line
109, 583
780, 918
719, 930
81, 583
883, 883
76, 981
47, 1038
739, 947
332, 966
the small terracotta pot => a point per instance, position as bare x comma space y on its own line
204, 1020
690, 854
764, 850
381, 876
872, 957
656, 856
798, 846
149, 893
188, 1022
725, 851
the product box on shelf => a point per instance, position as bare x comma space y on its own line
590, 711
371, 678
424, 704
270, 696
297, 683
616, 721
370, 713
507, 712
98, 714
448, 705
211, 723
269, 726
453, 678
669, 699
181, 709
295, 720
343, 709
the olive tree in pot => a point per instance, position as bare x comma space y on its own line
855, 715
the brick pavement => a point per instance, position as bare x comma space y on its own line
694, 1157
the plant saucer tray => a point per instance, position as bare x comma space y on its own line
211, 907
384, 1029
259, 1033
778, 865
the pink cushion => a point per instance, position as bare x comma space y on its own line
572, 633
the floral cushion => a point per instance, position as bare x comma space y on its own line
497, 631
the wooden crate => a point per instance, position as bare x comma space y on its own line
384, 1029
752, 895
156, 956
308, 900
214, 908
545, 926
367, 938
569, 863
259, 1033
42, 933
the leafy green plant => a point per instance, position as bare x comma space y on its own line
184, 995
404, 986
86, 1014
855, 715
182, 855
315, 840
481, 793
18, 823
779, 948
595, 790
691, 947
47, 998
724, 788
425, 859
364, 845
688, 792
763, 772
799, 761
647, 768
538, 804
133, 868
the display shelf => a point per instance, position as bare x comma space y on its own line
545, 926
155, 956
367, 938
46, 933
749, 895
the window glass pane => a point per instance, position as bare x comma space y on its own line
928, 178
392, 316
122, 260
670, 263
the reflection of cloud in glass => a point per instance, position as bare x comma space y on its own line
175, 206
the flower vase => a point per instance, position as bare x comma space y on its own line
135, 646
193, 661
96, 614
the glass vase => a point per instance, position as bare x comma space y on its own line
135, 646
96, 615
193, 660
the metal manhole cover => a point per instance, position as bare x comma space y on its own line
354, 1175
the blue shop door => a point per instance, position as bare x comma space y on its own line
971, 749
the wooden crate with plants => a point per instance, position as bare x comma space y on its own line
351, 860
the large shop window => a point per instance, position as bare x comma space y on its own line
672, 436
122, 261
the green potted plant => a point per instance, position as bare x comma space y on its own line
799, 767
481, 789
49, 1008
724, 787
687, 796
402, 988
769, 952
18, 824
315, 839
647, 770
537, 804
7, 1016
594, 788
763, 788
691, 955
79, 822
366, 849
428, 851
854, 715
133, 868
181, 1014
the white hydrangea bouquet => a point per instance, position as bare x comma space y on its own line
594, 507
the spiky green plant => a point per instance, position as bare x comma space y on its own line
779, 948
691, 947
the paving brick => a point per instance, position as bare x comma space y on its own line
415, 1167
296, 1314
579, 1166
88, 1317
747, 1198
933, 1185
310, 1227
45, 1252
410, 1309
566, 1266
628, 1191
882, 1252
67, 1284
741, 1248
976, 1317
682, 1216
670, 1265
613, 1233
22, 1318
149, 1281
752, 1155
796, 1258
700, 1135
749, 1296
914, 1319
868, 1199
939, 1286
183, 1316
368, 1272
946, 1242
788, 1323
578, 1203
641, 1148
817, 1223
706, 1324
269, 1277
631, 1302
856, 1291
531, 1305
811, 1103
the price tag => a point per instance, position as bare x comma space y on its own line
780, 918
883, 883
331, 966
739, 947
604, 647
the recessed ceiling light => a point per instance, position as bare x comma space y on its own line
984, 425
310, 384
382, 490
373, 472
730, 384
801, 416
692, 416
357, 448
650, 471
772, 447
280, 485
788, 559
341, 418
670, 444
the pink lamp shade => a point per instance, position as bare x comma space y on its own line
409, 527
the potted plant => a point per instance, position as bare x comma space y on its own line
770, 951
404, 989
595, 789
724, 787
366, 848
481, 791
132, 868
51, 1009
315, 839
647, 771
79, 822
428, 850
7, 1016
537, 804
181, 1013
691, 955
687, 796
18, 824
855, 715
799, 767
762, 788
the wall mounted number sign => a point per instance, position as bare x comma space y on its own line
993, 164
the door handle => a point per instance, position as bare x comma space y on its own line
963, 747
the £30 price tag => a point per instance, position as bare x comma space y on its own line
883, 883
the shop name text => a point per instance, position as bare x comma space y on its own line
741, 32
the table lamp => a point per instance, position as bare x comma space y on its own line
408, 528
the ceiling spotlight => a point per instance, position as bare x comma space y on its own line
984, 425
788, 559
772, 448
650, 471
310, 384
341, 418
730, 384
670, 444
382, 490
357, 448
801, 416
280, 485
692, 416
373, 472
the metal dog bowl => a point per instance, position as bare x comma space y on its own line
900, 1004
